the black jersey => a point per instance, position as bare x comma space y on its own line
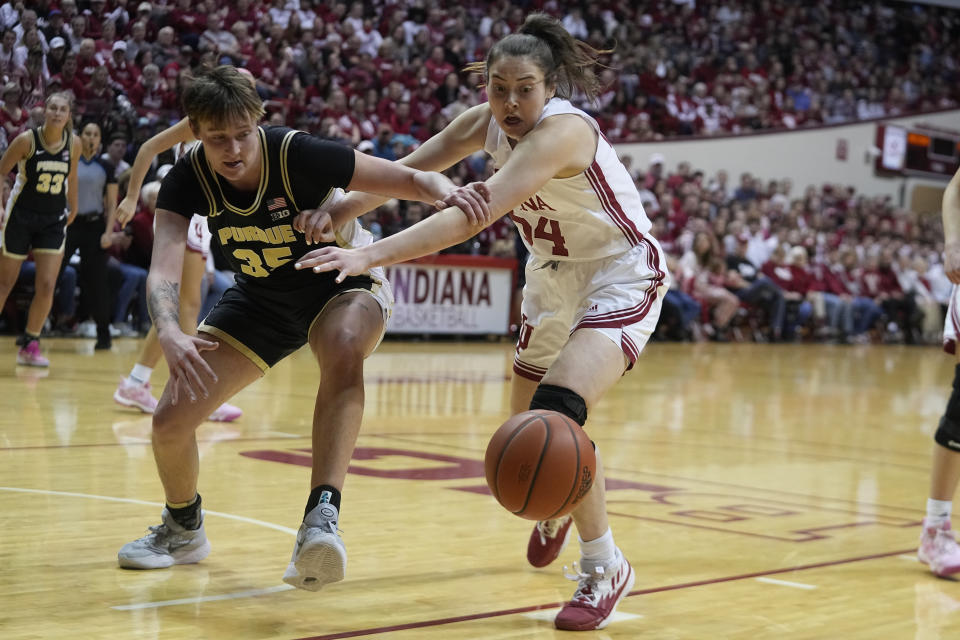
41, 185
256, 234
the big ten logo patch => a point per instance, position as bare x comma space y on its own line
693, 504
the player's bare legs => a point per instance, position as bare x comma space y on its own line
174, 425
180, 538
48, 268
938, 546
341, 338
589, 364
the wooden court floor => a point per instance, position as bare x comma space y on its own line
760, 491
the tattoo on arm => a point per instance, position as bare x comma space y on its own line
164, 304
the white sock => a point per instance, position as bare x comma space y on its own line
938, 512
600, 552
140, 374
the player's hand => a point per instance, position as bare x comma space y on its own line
315, 225
472, 199
126, 210
188, 369
951, 261
106, 240
349, 262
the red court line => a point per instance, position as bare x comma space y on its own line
639, 592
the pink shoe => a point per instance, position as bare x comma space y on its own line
548, 539
131, 394
939, 550
596, 598
30, 355
225, 413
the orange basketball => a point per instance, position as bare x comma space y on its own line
540, 464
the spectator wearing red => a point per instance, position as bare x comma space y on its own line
246, 11
97, 98
402, 121
388, 104
150, 94
424, 104
95, 19
13, 117
88, 59
123, 73
173, 68
68, 78
187, 21
879, 281
795, 283
437, 65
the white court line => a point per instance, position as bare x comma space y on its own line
908, 556
167, 603
252, 593
229, 516
785, 583
549, 614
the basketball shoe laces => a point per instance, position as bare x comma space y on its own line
549, 529
162, 538
591, 587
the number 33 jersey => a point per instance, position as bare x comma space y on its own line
41, 185
591, 215
255, 229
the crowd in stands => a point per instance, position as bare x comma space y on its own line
754, 259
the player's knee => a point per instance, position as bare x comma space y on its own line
562, 400
167, 425
948, 433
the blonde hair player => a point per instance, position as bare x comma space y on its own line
252, 182
938, 545
41, 206
595, 278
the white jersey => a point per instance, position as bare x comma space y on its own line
594, 214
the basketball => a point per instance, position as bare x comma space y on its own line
540, 464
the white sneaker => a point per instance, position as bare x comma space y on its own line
167, 544
319, 556
131, 394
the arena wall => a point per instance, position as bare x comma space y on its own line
807, 156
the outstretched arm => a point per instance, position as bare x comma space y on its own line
560, 146
459, 139
149, 150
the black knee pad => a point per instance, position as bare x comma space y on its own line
561, 400
948, 433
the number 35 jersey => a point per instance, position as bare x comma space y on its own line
41, 185
594, 214
255, 229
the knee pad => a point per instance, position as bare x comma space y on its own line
561, 400
948, 433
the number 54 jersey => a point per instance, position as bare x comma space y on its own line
255, 229
594, 214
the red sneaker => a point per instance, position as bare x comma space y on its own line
597, 596
548, 539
